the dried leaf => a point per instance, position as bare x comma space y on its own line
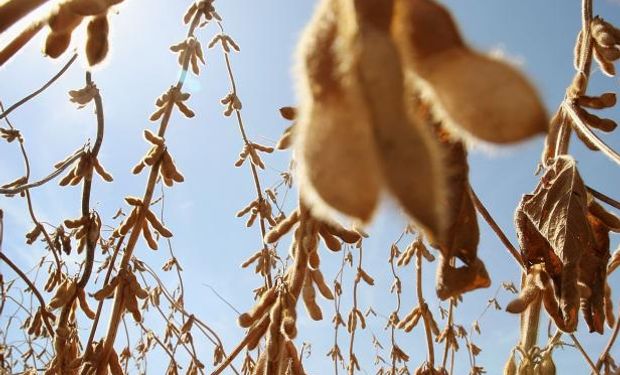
553, 228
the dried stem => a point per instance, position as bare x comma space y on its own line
498, 231
41, 89
570, 109
584, 354
32, 287
610, 344
424, 307
26, 160
604, 198
247, 143
118, 307
75, 157
351, 367
448, 347
95, 323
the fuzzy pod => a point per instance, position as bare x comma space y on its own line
56, 44
288, 113
133, 201
286, 139
170, 168
52, 281
409, 155
330, 240
289, 326
607, 67
138, 168
107, 290
97, 39
485, 97
153, 155
153, 138
527, 295
347, 235
90, 7
603, 33
264, 303
184, 109
101, 171
274, 337
295, 366
137, 289
282, 228
337, 165
605, 100
257, 332
603, 124
148, 236
157, 225
128, 223
365, 276
114, 364
319, 280
84, 304
32, 236
63, 21
309, 298
411, 323
510, 368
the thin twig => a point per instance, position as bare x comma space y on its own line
41, 89
33, 288
570, 109
612, 339
604, 198
93, 327
27, 168
118, 306
247, 143
12, 191
425, 313
498, 231
584, 354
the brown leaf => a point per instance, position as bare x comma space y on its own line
593, 268
553, 228
463, 233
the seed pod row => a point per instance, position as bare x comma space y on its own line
173, 96
64, 294
232, 103
189, 49
226, 42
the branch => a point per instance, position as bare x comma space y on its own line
604, 198
580, 126
41, 89
610, 344
76, 155
498, 231
32, 287
584, 354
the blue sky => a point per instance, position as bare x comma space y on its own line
209, 240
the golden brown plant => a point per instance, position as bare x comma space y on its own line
391, 96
